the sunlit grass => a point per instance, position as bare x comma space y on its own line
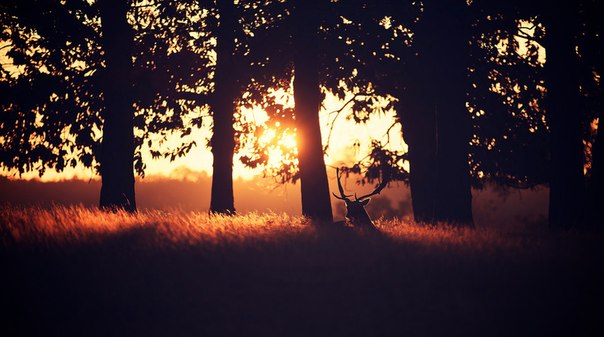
78, 225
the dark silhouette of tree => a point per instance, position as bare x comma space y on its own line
418, 54
291, 46
223, 106
563, 94
509, 145
307, 95
117, 146
596, 186
46, 93
591, 45
565, 114
442, 43
364, 46
72, 77
231, 50
313, 42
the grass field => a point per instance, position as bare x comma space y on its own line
81, 272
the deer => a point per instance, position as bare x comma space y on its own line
355, 209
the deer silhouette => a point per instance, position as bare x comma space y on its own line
355, 209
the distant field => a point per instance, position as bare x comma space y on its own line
74, 271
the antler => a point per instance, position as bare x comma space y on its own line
377, 190
342, 195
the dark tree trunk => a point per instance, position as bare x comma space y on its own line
223, 106
595, 200
440, 185
567, 185
313, 177
596, 187
117, 174
419, 132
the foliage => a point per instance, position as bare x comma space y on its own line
51, 80
591, 49
53, 83
506, 101
352, 36
49, 92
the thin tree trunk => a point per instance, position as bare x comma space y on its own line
567, 185
313, 176
223, 106
117, 174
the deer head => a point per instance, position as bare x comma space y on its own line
355, 209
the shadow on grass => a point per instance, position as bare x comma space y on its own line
307, 283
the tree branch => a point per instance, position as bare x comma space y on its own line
340, 110
526, 36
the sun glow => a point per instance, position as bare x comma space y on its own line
281, 148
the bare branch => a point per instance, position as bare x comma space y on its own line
340, 110
387, 134
526, 36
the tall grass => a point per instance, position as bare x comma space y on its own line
76, 225
76, 271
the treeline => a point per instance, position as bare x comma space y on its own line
484, 91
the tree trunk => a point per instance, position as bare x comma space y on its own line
419, 132
596, 183
223, 106
307, 95
567, 185
596, 187
443, 191
116, 159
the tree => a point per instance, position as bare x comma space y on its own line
442, 41
565, 116
509, 145
312, 44
117, 149
591, 46
423, 66
223, 106
50, 86
72, 93
230, 51
307, 95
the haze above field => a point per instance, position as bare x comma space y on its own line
493, 207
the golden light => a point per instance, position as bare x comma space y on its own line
288, 140
281, 147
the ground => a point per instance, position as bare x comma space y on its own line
80, 272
